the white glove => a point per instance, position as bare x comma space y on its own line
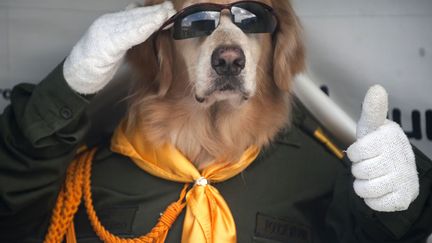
383, 160
98, 54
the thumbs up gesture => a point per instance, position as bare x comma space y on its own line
383, 160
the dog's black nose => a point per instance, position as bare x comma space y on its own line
228, 60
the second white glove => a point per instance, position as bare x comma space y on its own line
96, 57
383, 160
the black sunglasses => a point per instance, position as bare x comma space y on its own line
202, 19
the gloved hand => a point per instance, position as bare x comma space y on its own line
383, 160
98, 54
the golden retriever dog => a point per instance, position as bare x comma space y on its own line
179, 97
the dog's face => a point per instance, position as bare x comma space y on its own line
223, 65
229, 64
214, 96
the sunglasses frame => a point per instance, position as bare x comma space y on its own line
216, 5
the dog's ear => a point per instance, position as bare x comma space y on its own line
152, 62
164, 51
289, 53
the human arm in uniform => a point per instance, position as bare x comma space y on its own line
43, 126
39, 133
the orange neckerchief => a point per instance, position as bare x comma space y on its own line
208, 217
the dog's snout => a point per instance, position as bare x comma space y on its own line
228, 60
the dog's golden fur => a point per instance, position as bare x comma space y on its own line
164, 107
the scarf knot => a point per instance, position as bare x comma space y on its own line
202, 181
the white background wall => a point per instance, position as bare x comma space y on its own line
352, 44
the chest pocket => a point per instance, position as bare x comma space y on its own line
117, 220
273, 230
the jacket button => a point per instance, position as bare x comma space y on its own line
65, 112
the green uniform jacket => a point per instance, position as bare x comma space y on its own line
296, 190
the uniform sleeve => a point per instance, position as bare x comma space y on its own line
39, 133
353, 221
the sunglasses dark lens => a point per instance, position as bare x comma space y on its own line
196, 24
253, 18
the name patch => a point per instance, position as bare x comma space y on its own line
280, 230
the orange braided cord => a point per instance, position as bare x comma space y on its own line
77, 185
68, 200
157, 234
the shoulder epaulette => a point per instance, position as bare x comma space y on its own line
311, 126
